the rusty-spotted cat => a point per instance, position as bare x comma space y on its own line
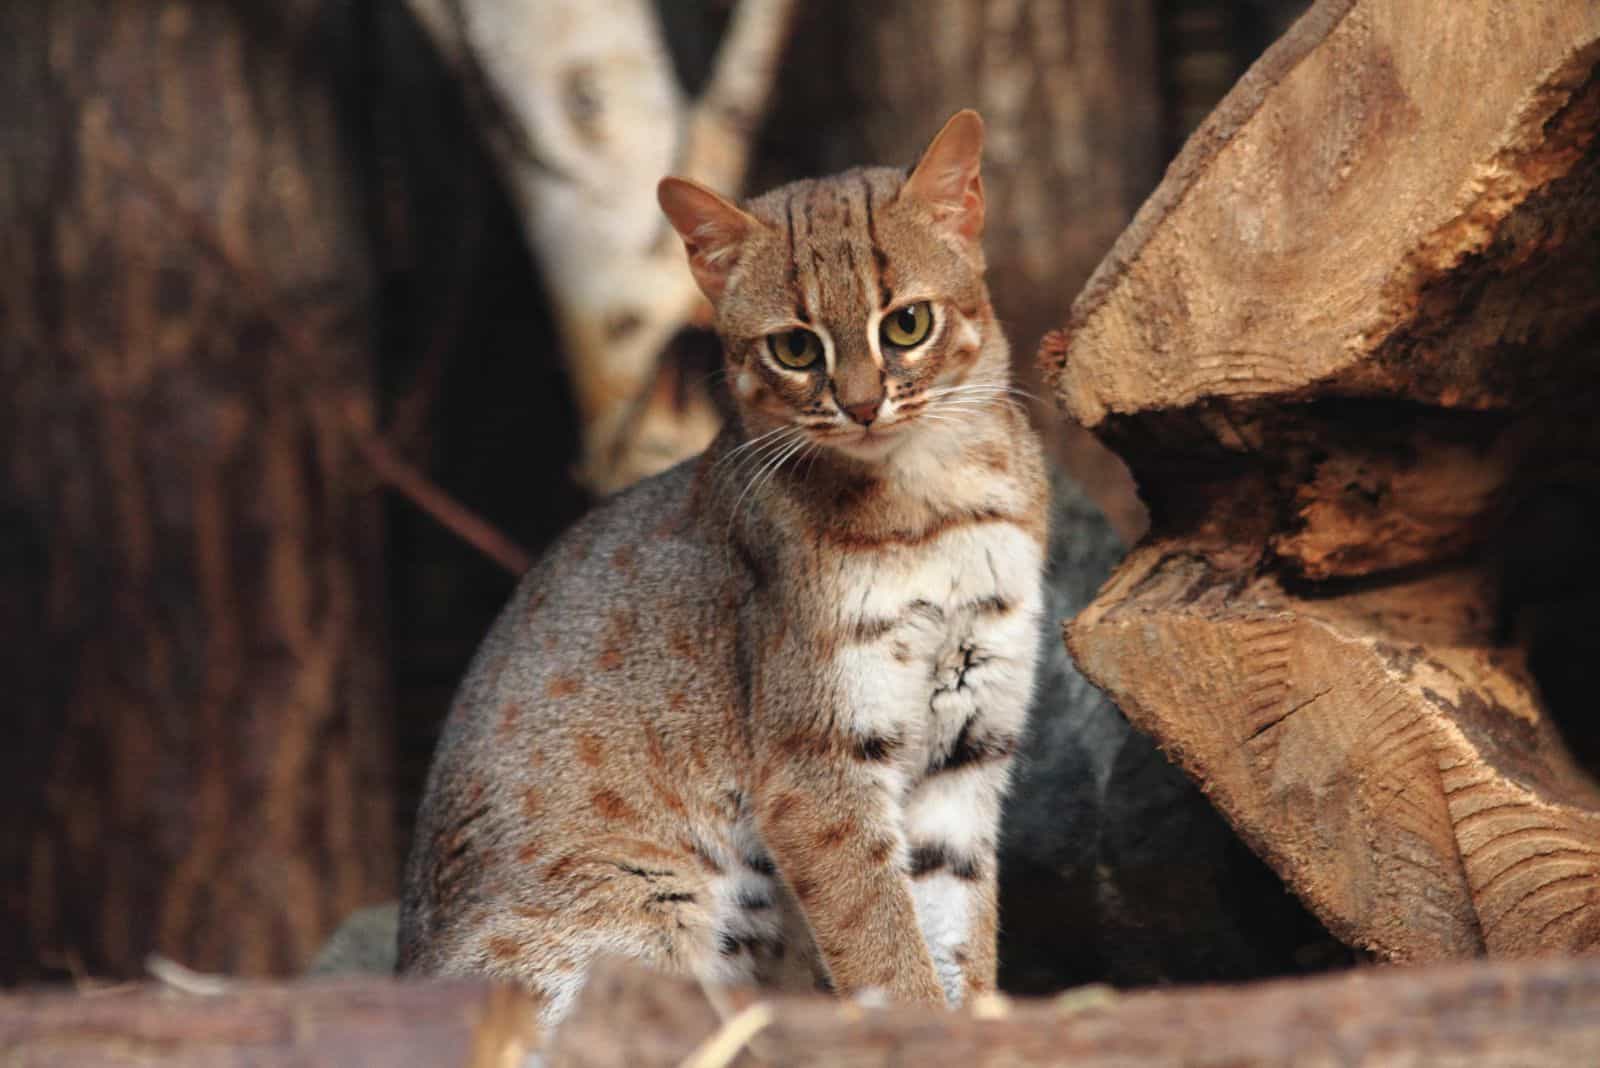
752, 719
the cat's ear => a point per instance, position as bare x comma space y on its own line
712, 227
946, 178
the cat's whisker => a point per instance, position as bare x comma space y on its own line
743, 446
975, 389
811, 457
770, 466
759, 456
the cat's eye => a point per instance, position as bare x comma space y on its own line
908, 326
796, 349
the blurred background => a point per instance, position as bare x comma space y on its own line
298, 365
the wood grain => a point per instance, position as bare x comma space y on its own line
1347, 340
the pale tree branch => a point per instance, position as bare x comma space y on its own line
580, 106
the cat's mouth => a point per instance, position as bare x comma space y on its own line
873, 442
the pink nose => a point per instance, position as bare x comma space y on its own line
865, 412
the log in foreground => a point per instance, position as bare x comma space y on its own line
349, 1023
1525, 1013
1349, 347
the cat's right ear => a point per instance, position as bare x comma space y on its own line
712, 227
947, 180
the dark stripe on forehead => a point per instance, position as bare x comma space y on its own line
880, 259
800, 310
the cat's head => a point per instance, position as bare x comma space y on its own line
852, 309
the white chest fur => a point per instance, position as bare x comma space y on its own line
938, 633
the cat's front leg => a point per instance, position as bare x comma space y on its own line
825, 813
952, 815
952, 823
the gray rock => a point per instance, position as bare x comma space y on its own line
367, 941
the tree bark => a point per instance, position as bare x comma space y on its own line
190, 584
1346, 346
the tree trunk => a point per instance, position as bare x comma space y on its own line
1350, 347
190, 584
1068, 90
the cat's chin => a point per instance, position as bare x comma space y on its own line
870, 446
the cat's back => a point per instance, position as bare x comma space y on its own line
602, 698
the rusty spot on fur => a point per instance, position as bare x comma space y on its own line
836, 834
809, 743
562, 867
783, 806
529, 853
612, 806
536, 757
804, 889
670, 799
643, 850
624, 558
562, 686
505, 948
683, 644
510, 712
610, 659
881, 851
655, 750
623, 627
532, 801
591, 750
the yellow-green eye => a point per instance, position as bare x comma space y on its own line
796, 349
907, 326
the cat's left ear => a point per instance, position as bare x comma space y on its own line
946, 178
712, 227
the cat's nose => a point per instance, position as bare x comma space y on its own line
865, 412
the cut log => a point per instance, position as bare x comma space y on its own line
1345, 347
1529, 1014
191, 576
377, 1023
1525, 1014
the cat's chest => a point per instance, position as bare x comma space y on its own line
939, 634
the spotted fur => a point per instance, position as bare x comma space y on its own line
752, 720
